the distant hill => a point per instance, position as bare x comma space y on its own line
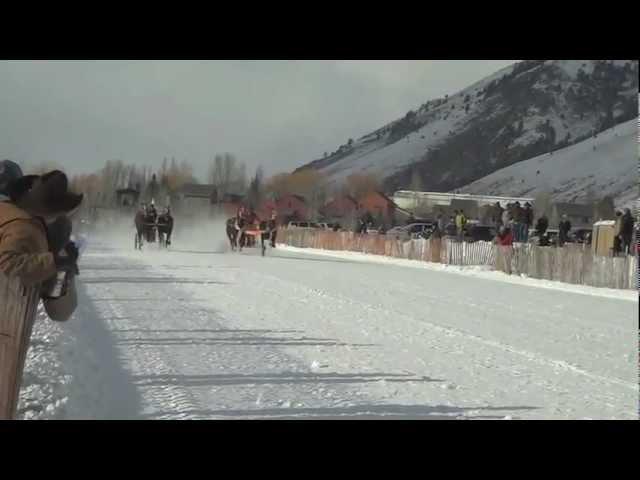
606, 164
522, 111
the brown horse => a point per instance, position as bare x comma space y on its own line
232, 233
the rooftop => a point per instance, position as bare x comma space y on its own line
574, 209
197, 190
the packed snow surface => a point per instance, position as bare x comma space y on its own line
200, 332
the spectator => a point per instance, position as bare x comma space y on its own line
450, 228
542, 225
507, 216
504, 237
527, 221
440, 226
627, 231
617, 234
563, 230
517, 222
362, 225
33, 233
497, 215
461, 222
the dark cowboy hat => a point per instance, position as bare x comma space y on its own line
50, 192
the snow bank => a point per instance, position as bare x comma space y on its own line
483, 272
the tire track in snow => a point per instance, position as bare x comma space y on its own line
112, 314
177, 383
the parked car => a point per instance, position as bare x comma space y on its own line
475, 232
306, 225
412, 231
581, 235
549, 239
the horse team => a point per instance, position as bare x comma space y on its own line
242, 230
245, 227
149, 224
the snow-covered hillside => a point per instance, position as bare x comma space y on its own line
603, 165
373, 153
521, 111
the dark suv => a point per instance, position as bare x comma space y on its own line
477, 232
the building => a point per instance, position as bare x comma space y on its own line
382, 208
292, 208
410, 200
470, 207
227, 205
127, 197
265, 208
193, 198
341, 209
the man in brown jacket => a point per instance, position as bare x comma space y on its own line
28, 267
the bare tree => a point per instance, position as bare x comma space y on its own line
227, 175
359, 185
256, 188
279, 185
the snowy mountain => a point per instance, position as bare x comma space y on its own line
521, 111
606, 164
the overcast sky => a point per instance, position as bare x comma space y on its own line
280, 114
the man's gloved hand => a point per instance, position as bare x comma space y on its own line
68, 262
58, 233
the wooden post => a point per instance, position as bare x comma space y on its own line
18, 308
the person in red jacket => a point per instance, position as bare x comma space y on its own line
505, 237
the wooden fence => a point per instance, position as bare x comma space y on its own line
570, 264
18, 306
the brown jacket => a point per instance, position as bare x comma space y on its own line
25, 263
24, 254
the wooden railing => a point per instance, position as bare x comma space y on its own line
570, 264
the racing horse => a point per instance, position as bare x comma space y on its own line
140, 229
232, 233
165, 228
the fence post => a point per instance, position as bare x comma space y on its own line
18, 308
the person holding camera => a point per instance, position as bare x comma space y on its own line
37, 262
